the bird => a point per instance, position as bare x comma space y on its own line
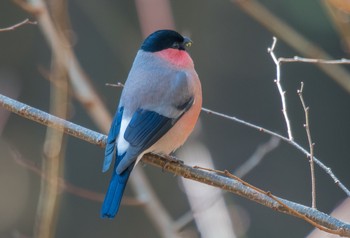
158, 109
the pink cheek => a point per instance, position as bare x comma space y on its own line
177, 57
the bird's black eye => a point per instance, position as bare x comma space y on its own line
175, 45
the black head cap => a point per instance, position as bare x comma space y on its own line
165, 39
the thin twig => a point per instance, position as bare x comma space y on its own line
294, 39
293, 143
66, 186
232, 186
311, 144
284, 109
291, 210
279, 86
299, 59
256, 157
11, 28
183, 170
116, 85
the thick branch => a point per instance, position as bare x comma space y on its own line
225, 183
52, 121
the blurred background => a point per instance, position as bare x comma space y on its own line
237, 74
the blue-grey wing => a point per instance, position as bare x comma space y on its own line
146, 128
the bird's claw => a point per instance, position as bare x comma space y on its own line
170, 159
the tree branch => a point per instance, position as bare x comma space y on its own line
11, 28
257, 157
311, 144
283, 138
280, 89
90, 100
294, 39
225, 183
66, 186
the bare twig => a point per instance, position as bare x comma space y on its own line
311, 144
299, 59
291, 210
68, 187
11, 28
256, 157
293, 143
185, 171
116, 85
232, 118
284, 109
207, 201
297, 41
279, 86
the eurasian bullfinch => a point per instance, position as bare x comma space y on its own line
158, 109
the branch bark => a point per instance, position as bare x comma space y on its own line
212, 179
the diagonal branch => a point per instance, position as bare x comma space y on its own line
11, 28
66, 186
222, 182
285, 139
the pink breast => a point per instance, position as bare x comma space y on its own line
176, 57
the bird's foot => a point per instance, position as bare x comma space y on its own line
173, 159
170, 159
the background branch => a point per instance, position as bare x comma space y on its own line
104, 39
55, 143
87, 96
183, 170
294, 39
66, 186
260, 152
291, 142
11, 28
